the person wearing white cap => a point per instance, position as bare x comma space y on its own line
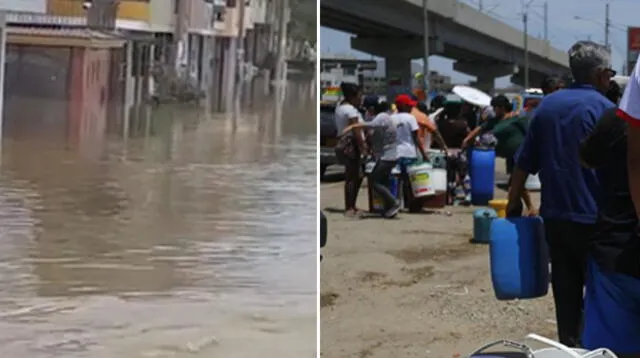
612, 295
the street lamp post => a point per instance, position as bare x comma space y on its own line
425, 66
525, 40
607, 25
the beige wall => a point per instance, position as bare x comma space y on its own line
200, 16
161, 15
229, 27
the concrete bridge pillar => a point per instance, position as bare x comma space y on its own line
535, 78
485, 84
485, 73
398, 73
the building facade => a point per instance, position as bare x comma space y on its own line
197, 38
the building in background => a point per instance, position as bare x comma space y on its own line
194, 41
335, 70
370, 74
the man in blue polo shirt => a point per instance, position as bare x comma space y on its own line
568, 206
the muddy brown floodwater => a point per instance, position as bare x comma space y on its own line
189, 235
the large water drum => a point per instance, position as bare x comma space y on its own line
482, 165
438, 179
519, 258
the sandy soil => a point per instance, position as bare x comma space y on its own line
413, 287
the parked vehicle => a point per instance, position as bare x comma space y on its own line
328, 136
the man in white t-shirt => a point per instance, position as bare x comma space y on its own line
409, 144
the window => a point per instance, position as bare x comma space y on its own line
231, 3
349, 71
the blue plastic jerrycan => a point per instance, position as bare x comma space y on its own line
519, 258
482, 219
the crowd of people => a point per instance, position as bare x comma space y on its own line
400, 135
576, 141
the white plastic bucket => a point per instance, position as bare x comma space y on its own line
438, 179
533, 183
420, 177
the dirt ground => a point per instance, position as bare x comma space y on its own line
413, 286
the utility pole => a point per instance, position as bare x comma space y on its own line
240, 49
607, 25
525, 25
480, 5
281, 58
525, 21
546, 21
425, 65
179, 48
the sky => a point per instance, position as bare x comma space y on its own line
563, 29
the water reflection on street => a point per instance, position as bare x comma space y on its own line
187, 235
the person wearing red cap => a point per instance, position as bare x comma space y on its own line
409, 143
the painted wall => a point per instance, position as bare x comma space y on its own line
88, 93
162, 15
136, 10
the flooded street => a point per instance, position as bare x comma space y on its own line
185, 235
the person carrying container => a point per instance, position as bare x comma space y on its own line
511, 133
612, 295
428, 129
568, 195
385, 152
409, 144
501, 109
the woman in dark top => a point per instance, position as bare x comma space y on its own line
612, 296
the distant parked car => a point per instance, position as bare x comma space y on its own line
328, 136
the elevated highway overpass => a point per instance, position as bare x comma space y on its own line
480, 45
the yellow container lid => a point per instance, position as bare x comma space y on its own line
498, 204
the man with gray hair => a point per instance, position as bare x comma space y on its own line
568, 206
